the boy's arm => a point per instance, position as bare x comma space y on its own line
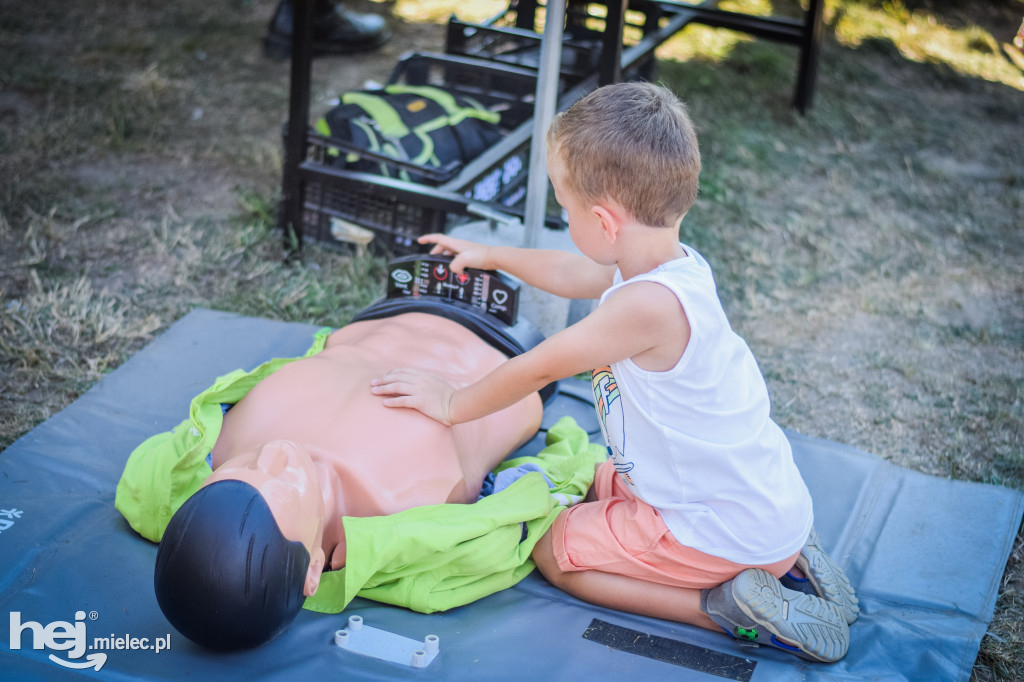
634, 321
562, 273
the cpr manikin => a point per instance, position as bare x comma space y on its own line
308, 445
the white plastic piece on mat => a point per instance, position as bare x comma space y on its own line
387, 646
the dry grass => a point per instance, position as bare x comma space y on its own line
870, 252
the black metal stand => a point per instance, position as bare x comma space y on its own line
609, 69
291, 219
806, 35
317, 194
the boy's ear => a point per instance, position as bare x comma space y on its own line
610, 220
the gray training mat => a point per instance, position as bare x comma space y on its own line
925, 554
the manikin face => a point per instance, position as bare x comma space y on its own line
285, 476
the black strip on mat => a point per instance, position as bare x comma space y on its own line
670, 651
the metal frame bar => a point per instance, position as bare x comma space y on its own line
775, 28
805, 34
609, 69
435, 198
545, 100
810, 48
528, 41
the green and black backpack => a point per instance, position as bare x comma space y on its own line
424, 125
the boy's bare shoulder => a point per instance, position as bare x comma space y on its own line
646, 298
651, 311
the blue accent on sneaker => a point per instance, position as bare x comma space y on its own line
802, 624
782, 645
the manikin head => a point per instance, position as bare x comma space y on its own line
239, 557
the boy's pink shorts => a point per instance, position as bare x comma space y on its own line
620, 533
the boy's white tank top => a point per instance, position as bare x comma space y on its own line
697, 442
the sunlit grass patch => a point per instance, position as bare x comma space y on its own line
438, 11
705, 43
921, 37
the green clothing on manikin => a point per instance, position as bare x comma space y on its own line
167, 468
428, 558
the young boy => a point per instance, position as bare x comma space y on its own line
700, 509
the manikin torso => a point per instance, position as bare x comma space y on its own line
373, 460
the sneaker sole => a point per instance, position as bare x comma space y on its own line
800, 623
828, 580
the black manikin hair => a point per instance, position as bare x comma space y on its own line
226, 577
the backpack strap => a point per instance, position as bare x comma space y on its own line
386, 124
455, 111
325, 130
456, 114
376, 144
387, 118
389, 121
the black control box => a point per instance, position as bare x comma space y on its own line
432, 276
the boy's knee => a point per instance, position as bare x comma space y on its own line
544, 556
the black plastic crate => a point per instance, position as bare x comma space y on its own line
344, 207
494, 63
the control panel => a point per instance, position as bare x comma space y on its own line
432, 276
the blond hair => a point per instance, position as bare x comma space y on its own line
633, 143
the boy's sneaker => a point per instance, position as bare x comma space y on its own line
756, 608
824, 578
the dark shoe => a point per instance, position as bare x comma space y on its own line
754, 607
335, 31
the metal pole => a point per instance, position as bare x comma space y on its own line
810, 45
543, 112
298, 122
609, 68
